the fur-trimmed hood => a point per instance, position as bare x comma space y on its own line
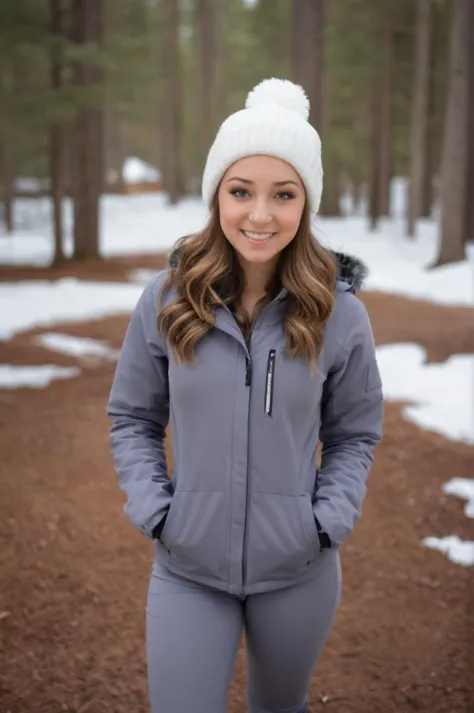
351, 270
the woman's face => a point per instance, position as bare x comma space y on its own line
261, 201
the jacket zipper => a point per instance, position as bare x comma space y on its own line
248, 382
269, 382
248, 372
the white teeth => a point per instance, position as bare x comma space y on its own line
257, 236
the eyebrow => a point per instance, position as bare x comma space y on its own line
276, 183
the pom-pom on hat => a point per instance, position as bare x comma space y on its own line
273, 123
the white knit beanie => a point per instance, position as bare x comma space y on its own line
273, 123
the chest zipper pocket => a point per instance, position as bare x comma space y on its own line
269, 383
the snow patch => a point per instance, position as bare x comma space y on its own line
441, 396
462, 488
76, 346
457, 550
34, 377
30, 304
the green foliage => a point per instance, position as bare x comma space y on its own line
254, 44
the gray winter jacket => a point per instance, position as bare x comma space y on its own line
241, 503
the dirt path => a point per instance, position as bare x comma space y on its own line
74, 572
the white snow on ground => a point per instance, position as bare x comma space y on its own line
146, 224
75, 346
441, 399
128, 224
457, 550
398, 265
24, 305
33, 377
441, 395
463, 488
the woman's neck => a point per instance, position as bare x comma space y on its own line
257, 284
257, 277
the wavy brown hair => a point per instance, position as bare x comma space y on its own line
208, 275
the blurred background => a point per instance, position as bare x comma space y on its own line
107, 111
89, 86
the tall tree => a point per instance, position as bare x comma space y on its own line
375, 173
307, 69
454, 160
57, 132
206, 24
469, 217
6, 184
421, 86
171, 118
6, 157
307, 53
88, 160
381, 104
386, 83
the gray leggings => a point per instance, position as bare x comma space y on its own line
194, 633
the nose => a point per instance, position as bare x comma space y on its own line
260, 213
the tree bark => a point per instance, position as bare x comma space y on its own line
454, 159
421, 85
114, 147
385, 128
431, 153
6, 186
307, 48
88, 162
374, 187
469, 206
206, 40
57, 139
330, 207
171, 115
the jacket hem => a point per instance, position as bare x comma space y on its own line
326, 558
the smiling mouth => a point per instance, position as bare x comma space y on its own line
257, 237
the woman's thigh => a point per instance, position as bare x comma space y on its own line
285, 634
193, 636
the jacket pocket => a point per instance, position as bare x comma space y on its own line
282, 537
195, 533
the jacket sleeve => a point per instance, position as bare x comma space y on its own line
351, 426
139, 409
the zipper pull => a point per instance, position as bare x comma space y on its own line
248, 372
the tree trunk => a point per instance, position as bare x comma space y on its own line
469, 216
115, 153
431, 154
171, 114
454, 160
330, 207
419, 114
374, 187
57, 139
386, 112
307, 48
206, 40
88, 161
6, 186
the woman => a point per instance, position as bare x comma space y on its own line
253, 347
